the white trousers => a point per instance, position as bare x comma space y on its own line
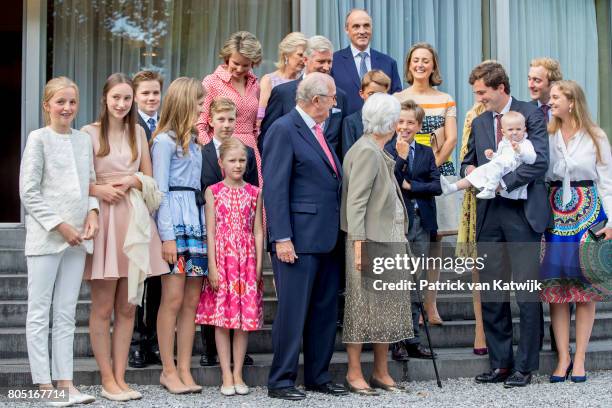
57, 278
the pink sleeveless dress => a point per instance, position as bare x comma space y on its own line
108, 260
238, 301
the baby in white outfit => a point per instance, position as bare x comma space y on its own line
512, 151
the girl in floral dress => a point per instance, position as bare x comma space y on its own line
232, 295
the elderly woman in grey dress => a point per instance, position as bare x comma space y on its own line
373, 211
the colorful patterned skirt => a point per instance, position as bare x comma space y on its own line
189, 232
571, 269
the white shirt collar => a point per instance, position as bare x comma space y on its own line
217, 144
355, 51
506, 108
146, 117
310, 122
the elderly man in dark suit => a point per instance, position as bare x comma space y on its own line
317, 58
515, 226
302, 175
352, 63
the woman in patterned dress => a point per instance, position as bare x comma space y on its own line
234, 80
177, 167
373, 210
439, 131
466, 233
232, 296
580, 177
290, 65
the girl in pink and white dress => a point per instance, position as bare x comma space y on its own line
232, 297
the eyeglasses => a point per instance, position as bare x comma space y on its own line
328, 96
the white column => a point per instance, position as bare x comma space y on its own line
33, 67
308, 17
502, 28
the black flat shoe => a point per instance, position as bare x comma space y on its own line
208, 361
287, 393
517, 379
248, 360
136, 359
494, 376
374, 383
418, 351
328, 388
368, 392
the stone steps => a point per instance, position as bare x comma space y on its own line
452, 363
452, 334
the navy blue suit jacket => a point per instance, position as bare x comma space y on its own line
482, 137
302, 194
352, 129
346, 76
282, 101
424, 180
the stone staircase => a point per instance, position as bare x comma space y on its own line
453, 340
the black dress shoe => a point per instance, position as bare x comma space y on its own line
153, 357
287, 393
398, 352
517, 379
136, 359
418, 351
494, 376
208, 361
248, 360
328, 388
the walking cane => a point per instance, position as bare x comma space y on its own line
424, 314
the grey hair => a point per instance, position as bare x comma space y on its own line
312, 85
380, 114
318, 43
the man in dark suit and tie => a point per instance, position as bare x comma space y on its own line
542, 73
223, 122
144, 349
317, 58
302, 175
352, 63
514, 226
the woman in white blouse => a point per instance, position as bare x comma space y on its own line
580, 177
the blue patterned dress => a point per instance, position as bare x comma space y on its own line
179, 217
576, 268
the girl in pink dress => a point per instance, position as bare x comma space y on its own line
120, 150
232, 295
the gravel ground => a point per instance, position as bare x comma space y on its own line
456, 393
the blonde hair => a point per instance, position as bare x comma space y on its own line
51, 88
180, 110
580, 116
288, 46
435, 78
229, 144
222, 104
512, 116
378, 77
245, 44
552, 67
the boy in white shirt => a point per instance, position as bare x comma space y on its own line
512, 151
